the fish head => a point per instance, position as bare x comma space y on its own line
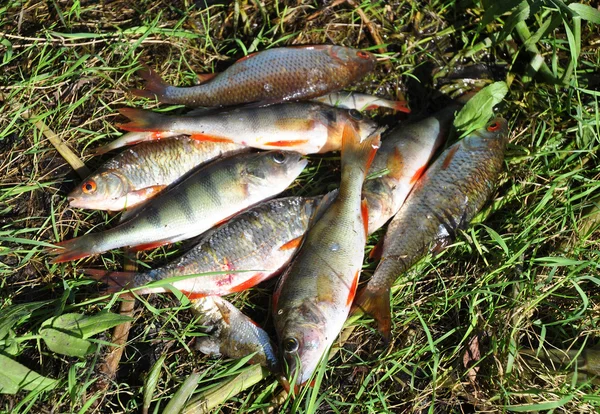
359, 60
497, 128
106, 190
275, 167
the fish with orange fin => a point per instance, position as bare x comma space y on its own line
207, 197
303, 127
403, 157
444, 200
232, 334
139, 173
314, 295
271, 76
361, 101
248, 249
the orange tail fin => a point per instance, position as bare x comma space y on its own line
376, 304
116, 281
73, 249
401, 106
155, 86
141, 120
356, 153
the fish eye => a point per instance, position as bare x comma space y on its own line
355, 114
89, 186
279, 157
290, 345
363, 55
494, 126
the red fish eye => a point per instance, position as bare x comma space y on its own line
495, 126
89, 186
363, 55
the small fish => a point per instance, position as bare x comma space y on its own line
403, 157
314, 295
303, 127
360, 101
209, 196
444, 200
271, 76
231, 333
248, 249
141, 172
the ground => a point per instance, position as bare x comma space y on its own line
473, 326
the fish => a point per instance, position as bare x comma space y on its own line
139, 173
314, 294
270, 76
444, 200
360, 101
246, 250
402, 158
207, 197
231, 333
133, 138
306, 128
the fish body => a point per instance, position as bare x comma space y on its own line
209, 196
249, 248
303, 127
314, 294
141, 172
231, 333
445, 199
400, 161
360, 101
271, 76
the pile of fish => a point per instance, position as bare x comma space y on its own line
199, 174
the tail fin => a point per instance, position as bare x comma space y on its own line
376, 304
400, 106
116, 281
73, 249
357, 153
141, 120
155, 86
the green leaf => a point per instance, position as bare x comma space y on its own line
480, 108
586, 12
184, 392
66, 344
15, 313
15, 377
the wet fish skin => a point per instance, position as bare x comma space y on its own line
360, 101
402, 158
445, 199
141, 172
231, 333
207, 197
274, 75
313, 297
248, 249
303, 127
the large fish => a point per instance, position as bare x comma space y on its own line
303, 127
231, 333
314, 295
210, 195
360, 101
139, 173
402, 159
271, 76
249, 248
445, 199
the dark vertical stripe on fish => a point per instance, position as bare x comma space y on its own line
153, 216
182, 199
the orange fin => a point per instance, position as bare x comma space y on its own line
377, 251
449, 157
376, 304
418, 174
210, 138
155, 86
357, 153
116, 281
285, 144
145, 193
400, 106
194, 295
292, 244
295, 124
352, 292
395, 164
251, 282
73, 249
148, 246
141, 120
364, 211
205, 77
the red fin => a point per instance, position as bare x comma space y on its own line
72, 249
141, 120
418, 174
284, 144
364, 211
155, 86
376, 304
352, 291
205, 77
356, 153
449, 157
401, 106
251, 282
145, 193
246, 57
377, 251
148, 246
292, 244
210, 138
193, 295
116, 281
395, 164
371, 107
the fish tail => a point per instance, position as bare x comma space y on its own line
376, 304
141, 120
155, 87
73, 249
357, 154
116, 281
400, 106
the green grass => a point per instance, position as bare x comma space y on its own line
524, 276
